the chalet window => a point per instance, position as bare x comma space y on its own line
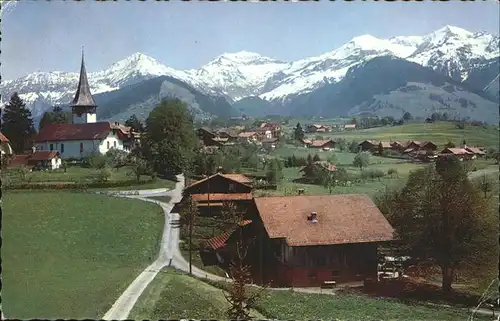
335, 273
51, 146
114, 144
108, 144
81, 147
231, 187
62, 148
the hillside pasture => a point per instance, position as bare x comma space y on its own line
69, 255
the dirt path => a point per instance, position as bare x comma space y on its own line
122, 307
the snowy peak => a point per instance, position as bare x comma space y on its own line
241, 58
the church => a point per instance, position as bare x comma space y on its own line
85, 136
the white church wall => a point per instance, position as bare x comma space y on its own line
84, 118
112, 141
71, 148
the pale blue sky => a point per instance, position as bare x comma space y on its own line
47, 36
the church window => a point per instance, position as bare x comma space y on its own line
114, 144
108, 144
62, 148
51, 146
81, 147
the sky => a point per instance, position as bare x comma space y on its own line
49, 35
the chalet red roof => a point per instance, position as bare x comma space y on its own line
246, 134
341, 219
222, 197
456, 151
475, 150
3, 139
85, 131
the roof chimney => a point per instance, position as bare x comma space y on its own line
314, 217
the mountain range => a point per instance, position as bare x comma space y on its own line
450, 70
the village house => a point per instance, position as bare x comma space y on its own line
325, 144
305, 241
316, 128
212, 192
5, 148
84, 136
206, 136
349, 126
228, 134
37, 160
269, 143
274, 129
475, 150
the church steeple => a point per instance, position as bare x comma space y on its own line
83, 105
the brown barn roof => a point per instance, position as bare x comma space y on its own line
222, 197
475, 150
220, 240
227, 176
85, 131
341, 219
246, 134
456, 151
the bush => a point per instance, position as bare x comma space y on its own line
392, 172
372, 174
103, 174
96, 161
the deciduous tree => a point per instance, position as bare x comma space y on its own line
361, 160
189, 213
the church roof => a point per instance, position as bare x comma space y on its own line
83, 96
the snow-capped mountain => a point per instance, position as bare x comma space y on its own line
451, 51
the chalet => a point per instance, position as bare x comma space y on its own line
428, 146
43, 160
212, 192
322, 166
476, 151
349, 126
227, 133
423, 155
84, 136
5, 148
461, 153
397, 146
411, 146
323, 144
414, 145
313, 239
206, 136
315, 128
368, 145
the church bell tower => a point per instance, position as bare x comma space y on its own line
83, 106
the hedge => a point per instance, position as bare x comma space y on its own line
75, 185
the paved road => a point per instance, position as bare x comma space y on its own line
122, 307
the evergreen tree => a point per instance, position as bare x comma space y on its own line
298, 132
135, 124
17, 124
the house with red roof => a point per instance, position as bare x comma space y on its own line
85, 135
43, 160
305, 241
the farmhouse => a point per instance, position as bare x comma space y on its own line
85, 135
248, 136
315, 128
476, 151
303, 241
44, 160
5, 148
206, 136
349, 126
273, 129
212, 192
322, 238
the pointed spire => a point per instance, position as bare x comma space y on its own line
83, 96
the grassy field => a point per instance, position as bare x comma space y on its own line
76, 174
69, 255
174, 295
439, 133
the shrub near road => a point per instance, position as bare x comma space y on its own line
70, 255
